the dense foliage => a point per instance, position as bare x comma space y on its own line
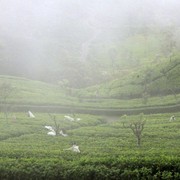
108, 149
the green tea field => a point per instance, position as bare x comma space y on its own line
108, 147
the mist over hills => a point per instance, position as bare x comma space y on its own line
86, 42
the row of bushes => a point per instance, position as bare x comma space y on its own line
90, 169
97, 111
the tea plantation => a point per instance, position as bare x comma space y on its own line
107, 144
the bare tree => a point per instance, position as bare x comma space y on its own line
56, 125
145, 97
6, 91
65, 85
137, 128
171, 86
147, 78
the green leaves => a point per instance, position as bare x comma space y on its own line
108, 150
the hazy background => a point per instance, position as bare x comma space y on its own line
83, 41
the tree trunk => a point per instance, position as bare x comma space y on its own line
138, 141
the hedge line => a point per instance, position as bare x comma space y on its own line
87, 169
97, 111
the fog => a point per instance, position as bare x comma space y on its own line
40, 37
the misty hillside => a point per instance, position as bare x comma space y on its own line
157, 79
89, 89
36, 94
26, 91
84, 43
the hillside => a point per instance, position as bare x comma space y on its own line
81, 43
79, 55
33, 92
155, 79
38, 95
89, 89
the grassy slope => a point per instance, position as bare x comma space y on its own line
138, 57
133, 85
135, 56
35, 92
